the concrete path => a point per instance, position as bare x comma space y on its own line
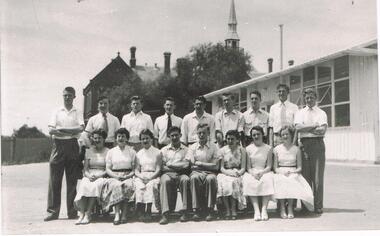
352, 193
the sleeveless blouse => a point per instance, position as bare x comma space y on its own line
232, 159
96, 160
258, 155
286, 158
148, 159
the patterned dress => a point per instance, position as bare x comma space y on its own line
97, 165
293, 186
149, 192
258, 157
115, 191
229, 185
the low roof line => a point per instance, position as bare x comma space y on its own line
291, 68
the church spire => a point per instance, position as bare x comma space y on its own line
232, 38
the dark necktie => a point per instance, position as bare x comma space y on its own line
169, 122
105, 124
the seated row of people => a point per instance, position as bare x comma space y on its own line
203, 173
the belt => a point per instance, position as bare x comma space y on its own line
287, 166
122, 170
276, 134
311, 138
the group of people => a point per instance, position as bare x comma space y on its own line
227, 159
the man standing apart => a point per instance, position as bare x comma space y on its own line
311, 124
204, 168
174, 175
65, 126
254, 116
228, 119
104, 120
191, 120
135, 122
280, 114
164, 122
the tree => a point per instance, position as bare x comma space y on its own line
28, 132
210, 67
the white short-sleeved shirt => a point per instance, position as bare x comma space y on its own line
189, 126
275, 114
62, 118
229, 121
208, 153
121, 159
252, 118
97, 122
161, 127
135, 123
310, 116
171, 155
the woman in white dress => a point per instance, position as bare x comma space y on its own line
89, 189
288, 182
258, 180
147, 171
119, 189
233, 165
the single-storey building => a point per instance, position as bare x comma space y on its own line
348, 89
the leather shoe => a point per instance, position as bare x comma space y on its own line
50, 217
209, 217
184, 217
318, 211
196, 217
116, 222
164, 220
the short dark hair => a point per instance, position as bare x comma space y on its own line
100, 132
228, 95
102, 98
122, 131
233, 133
308, 91
169, 99
202, 126
257, 128
135, 98
146, 132
289, 128
173, 129
200, 98
256, 92
70, 90
285, 86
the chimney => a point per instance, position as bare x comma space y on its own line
167, 62
270, 65
132, 61
291, 62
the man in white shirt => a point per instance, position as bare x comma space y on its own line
280, 114
163, 123
65, 126
255, 116
311, 124
191, 120
135, 122
228, 119
103, 120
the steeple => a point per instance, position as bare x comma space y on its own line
232, 38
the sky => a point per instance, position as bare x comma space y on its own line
47, 45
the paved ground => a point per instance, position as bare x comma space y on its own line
352, 202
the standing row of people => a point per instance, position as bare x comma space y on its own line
310, 123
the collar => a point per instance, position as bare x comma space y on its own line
181, 146
63, 108
166, 115
250, 110
140, 113
101, 114
206, 145
194, 114
311, 108
232, 112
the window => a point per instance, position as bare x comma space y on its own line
324, 74
341, 67
328, 113
295, 94
308, 76
342, 91
342, 115
243, 100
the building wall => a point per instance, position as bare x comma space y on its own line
360, 140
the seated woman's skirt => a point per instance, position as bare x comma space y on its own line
149, 192
293, 186
254, 187
115, 191
231, 186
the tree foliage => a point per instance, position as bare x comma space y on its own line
28, 132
